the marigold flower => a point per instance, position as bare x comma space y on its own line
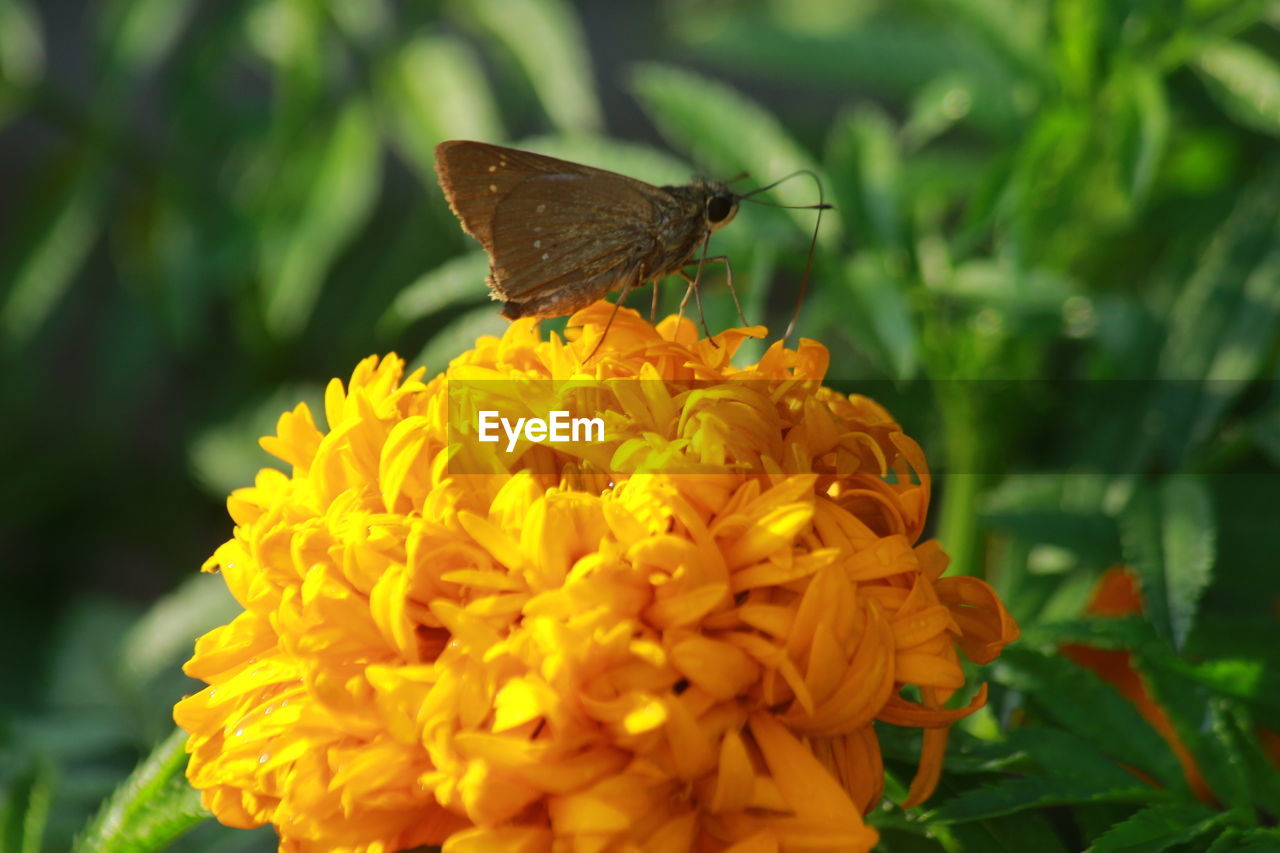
553, 657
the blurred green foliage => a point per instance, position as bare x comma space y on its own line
208, 209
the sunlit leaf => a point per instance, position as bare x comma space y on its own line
44, 255
456, 281
225, 455
1149, 104
137, 34
151, 808
547, 42
710, 121
24, 808
1245, 81
458, 337
863, 150
878, 315
166, 631
434, 88
21, 45
338, 200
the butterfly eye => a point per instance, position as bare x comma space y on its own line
719, 208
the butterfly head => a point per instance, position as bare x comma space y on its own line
719, 206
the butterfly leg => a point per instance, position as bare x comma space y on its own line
653, 308
728, 274
697, 299
637, 279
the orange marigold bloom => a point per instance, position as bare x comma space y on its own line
548, 658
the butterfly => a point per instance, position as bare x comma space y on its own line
561, 235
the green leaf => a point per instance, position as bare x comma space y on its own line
225, 455
338, 200
1015, 795
138, 34
1068, 757
547, 42
710, 121
1078, 23
1253, 841
1203, 723
1224, 320
458, 337
637, 161
457, 281
1245, 81
21, 46
43, 256
24, 808
1077, 700
1015, 833
936, 108
1169, 535
1149, 107
863, 151
432, 89
169, 628
889, 53
1158, 828
151, 808
878, 316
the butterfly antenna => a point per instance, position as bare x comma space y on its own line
813, 242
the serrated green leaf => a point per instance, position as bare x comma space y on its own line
1224, 321
151, 808
1106, 633
1245, 81
1014, 833
1064, 756
710, 120
338, 200
1252, 841
1169, 535
1197, 718
1157, 828
548, 43
1077, 700
434, 88
1015, 795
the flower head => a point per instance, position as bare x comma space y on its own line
677, 639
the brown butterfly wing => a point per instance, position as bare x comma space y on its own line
565, 240
476, 175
